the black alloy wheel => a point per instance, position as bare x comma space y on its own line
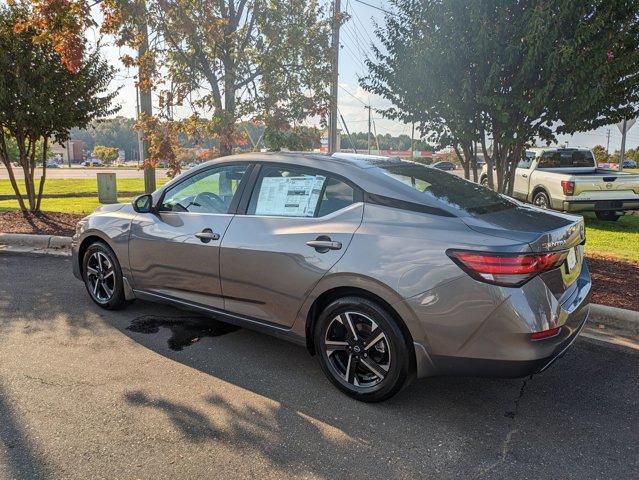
361, 349
103, 277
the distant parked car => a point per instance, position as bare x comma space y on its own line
92, 162
53, 164
444, 165
629, 164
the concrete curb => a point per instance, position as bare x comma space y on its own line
40, 244
626, 321
617, 318
35, 241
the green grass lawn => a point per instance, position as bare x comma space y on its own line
618, 239
70, 203
70, 186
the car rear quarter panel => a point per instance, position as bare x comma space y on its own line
398, 254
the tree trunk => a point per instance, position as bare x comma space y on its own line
489, 163
44, 174
12, 179
463, 159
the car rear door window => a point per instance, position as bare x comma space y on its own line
209, 191
297, 192
463, 196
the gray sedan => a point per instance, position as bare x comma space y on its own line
386, 270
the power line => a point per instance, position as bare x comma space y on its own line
353, 95
376, 8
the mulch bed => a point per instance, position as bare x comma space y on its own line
615, 282
48, 223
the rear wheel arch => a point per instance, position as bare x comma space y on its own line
329, 296
540, 189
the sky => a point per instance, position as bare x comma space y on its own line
356, 36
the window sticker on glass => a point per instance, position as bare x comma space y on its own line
289, 196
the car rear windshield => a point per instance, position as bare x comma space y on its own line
465, 197
567, 159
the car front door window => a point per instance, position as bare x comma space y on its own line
210, 191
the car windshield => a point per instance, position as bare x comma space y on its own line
466, 197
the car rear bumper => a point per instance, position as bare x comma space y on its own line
489, 332
599, 205
447, 365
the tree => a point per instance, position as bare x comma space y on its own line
511, 71
601, 156
41, 99
299, 138
234, 58
106, 154
118, 132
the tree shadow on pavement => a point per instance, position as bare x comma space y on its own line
19, 453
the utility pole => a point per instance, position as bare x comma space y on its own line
146, 107
369, 128
332, 128
608, 142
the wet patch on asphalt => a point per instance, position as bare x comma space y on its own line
185, 331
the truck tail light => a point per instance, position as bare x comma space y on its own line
509, 270
568, 187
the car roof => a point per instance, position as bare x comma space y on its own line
557, 149
310, 159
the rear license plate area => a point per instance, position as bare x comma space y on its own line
608, 204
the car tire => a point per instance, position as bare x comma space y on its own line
607, 215
541, 200
103, 277
370, 364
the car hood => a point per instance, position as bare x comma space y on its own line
540, 229
113, 207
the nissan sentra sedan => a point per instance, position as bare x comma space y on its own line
385, 270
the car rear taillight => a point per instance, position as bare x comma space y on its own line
569, 187
511, 270
551, 332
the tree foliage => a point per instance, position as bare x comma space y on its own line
233, 58
40, 99
510, 70
106, 154
117, 132
601, 156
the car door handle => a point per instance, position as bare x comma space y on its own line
207, 235
524, 175
324, 244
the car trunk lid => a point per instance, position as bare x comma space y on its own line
542, 231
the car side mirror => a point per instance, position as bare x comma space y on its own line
143, 203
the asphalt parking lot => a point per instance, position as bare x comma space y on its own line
153, 392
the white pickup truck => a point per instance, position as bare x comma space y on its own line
567, 179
